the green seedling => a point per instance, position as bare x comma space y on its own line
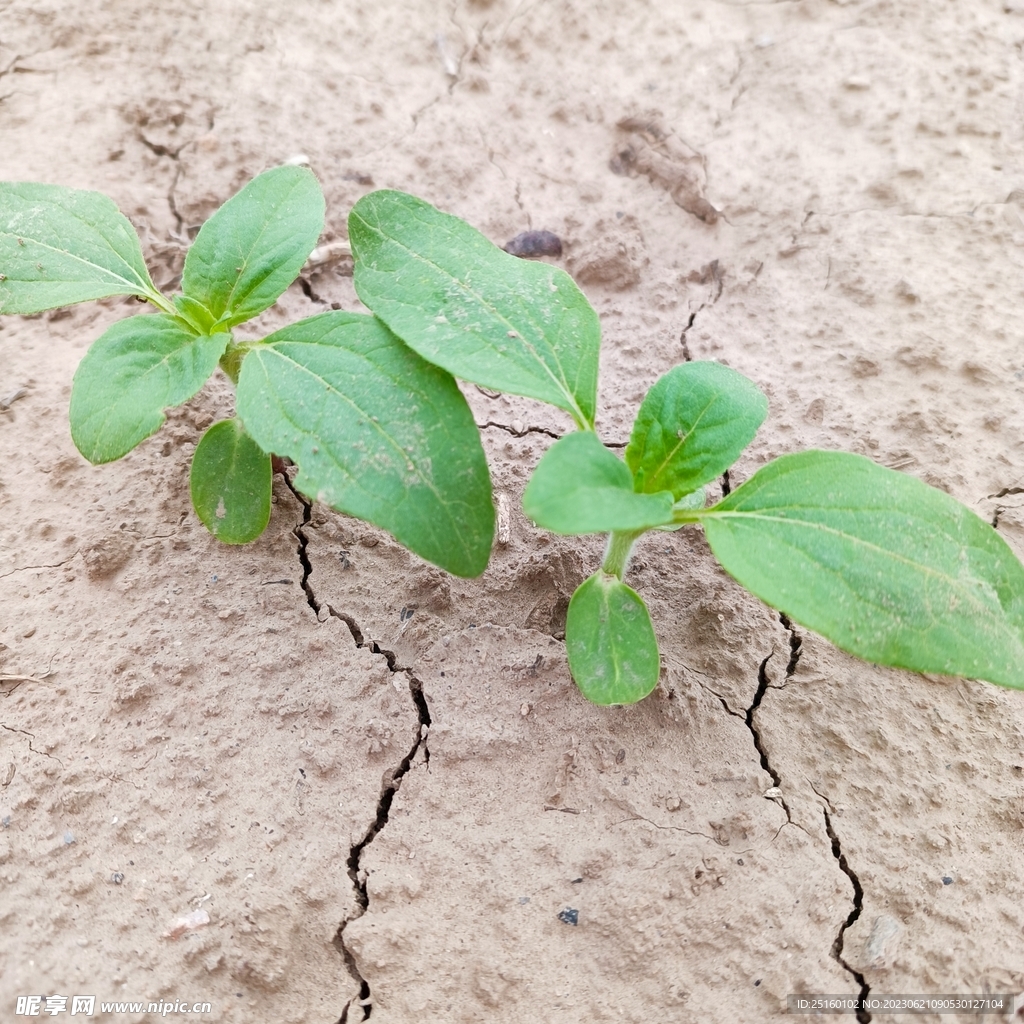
374, 429
882, 565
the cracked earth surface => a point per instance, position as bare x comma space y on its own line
377, 782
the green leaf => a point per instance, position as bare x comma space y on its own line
64, 245
254, 246
882, 565
692, 426
613, 653
579, 486
462, 303
195, 314
133, 371
231, 482
689, 502
376, 432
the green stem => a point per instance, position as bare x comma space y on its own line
616, 555
231, 361
161, 302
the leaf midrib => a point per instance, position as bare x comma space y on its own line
252, 248
562, 385
160, 363
696, 423
954, 582
403, 454
65, 252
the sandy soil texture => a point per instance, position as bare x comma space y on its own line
373, 786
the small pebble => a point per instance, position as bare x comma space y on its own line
535, 243
946, 880
117, 877
569, 916
69, 838
187, 923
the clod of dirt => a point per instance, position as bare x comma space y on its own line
614, 259
106, 556
645, 146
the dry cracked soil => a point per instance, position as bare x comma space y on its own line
313, 779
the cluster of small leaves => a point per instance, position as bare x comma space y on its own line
368, 409
886, 567
375, 430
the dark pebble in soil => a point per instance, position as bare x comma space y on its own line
535, 243
569, 916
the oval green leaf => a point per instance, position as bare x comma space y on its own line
579, 486
64, 245
376, 431
464, 304
134, 371
692, 426
878, 562
254, 246
610, 642
231, 482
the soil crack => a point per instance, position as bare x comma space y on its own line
775, 792
755, 733
710, 273
46, 565
517, 429
391, 780
863, 1016
172, 203
31, 736
1000, 509
795, 647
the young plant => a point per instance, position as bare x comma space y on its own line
375, 430
882, 565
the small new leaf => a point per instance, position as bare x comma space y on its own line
134, 371
194, 314
376, 431
579, 486
64, 245
464, 304
254, 246
610, 642
692, 426
231, 482
878, 562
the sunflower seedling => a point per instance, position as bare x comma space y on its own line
878, 562
375, 430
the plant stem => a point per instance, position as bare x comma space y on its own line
160, 302
231, 361
616, 555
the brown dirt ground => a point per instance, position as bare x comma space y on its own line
203, 733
